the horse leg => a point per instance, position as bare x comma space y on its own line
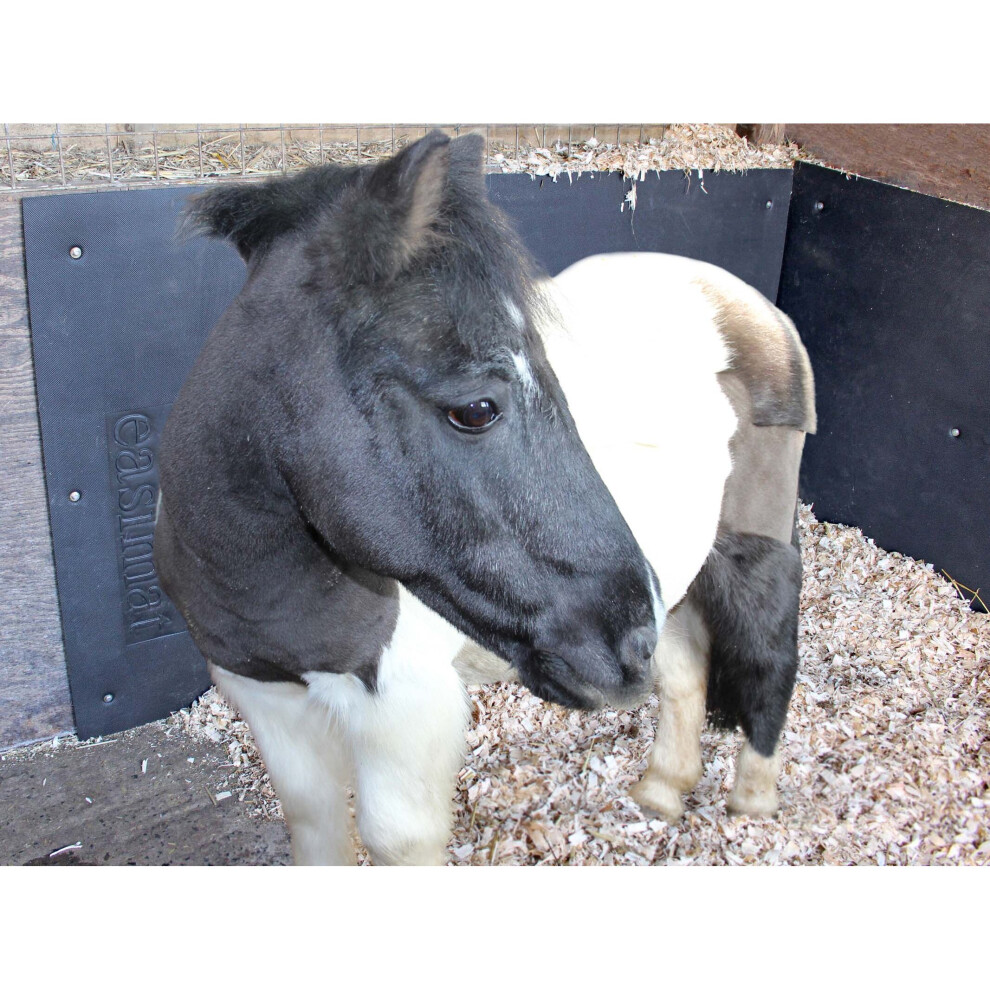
730, 647
406, 738
674, 765
749, 592
763, 709
763, 696
755, 789
306, 760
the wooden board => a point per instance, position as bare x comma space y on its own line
951, 161
34, 691
143, 798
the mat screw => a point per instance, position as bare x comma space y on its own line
107, 698
954, 432
75, 252
769, 204
74, 496
819, 206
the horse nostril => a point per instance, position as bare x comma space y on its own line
638, 647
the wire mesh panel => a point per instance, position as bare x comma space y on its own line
60, 156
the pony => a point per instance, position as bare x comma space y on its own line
384, 475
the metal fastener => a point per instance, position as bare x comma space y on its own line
75, 252
74, 496
819, 206
107, 698
769, 204
954, 432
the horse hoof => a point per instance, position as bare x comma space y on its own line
756, 804
658, 797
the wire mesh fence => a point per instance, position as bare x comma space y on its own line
63, 156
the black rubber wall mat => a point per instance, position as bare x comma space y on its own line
890, 290
116, 329
114, 333
737, 221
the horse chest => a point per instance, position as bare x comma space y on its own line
285, 609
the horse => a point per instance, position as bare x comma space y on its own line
387, 472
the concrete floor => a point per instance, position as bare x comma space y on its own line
98, 796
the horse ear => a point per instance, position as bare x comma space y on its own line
467, 163
411, 186
384, 222
252, 217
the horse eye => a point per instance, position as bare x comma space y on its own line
475, 416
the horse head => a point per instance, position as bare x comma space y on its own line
402, 396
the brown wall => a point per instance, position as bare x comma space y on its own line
40, 137
951, 161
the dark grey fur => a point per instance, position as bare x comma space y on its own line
748, 594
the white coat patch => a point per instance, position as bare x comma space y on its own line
525, 373
515, 313
406, 738
638, 354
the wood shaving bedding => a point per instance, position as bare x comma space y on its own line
886, 747
684, 147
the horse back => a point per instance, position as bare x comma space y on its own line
767, 354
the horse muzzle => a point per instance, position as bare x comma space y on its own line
593, 681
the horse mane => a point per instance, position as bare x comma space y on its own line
252, 216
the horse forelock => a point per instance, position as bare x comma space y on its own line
470, 298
